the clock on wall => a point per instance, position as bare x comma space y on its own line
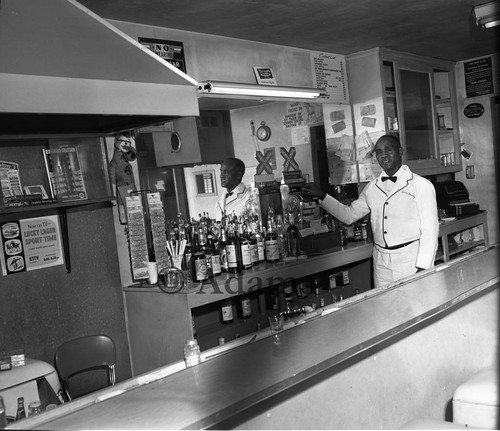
263, 132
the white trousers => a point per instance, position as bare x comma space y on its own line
390, 266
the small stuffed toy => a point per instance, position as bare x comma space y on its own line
121, 170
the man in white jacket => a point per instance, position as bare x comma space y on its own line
235, 200
403, 215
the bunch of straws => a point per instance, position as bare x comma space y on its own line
176, 250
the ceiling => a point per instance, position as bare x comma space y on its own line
436, 28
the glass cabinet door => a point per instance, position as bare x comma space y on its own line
417, 112
445, 117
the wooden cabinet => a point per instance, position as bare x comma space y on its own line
412, 97
204, 139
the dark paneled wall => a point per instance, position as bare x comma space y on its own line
41, 309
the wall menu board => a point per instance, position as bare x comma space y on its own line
329, 72
29, 244
478, 77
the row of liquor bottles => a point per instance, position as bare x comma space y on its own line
291, 298
234, 245
242, 314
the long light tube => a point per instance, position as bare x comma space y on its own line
487, 15
237, 89
489, 24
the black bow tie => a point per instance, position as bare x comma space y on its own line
228, 194
393, 179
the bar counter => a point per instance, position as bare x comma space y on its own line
376, 361
155, 318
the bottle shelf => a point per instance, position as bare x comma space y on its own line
42, 207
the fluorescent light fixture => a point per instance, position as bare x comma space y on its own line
238, 89
490, 24
487, 15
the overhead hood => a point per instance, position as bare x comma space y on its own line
64, 69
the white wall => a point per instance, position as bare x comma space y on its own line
228, 59
477, 135
245, 148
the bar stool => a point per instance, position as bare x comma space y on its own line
476, 401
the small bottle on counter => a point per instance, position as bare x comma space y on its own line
192, 354
21, 413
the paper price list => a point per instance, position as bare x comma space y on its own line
137, 237
158, 230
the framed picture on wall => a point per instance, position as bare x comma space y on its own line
205, 183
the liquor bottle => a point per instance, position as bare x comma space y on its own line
288, 290
226, 312
254, 249
188, 254
246, 251
21, 413
260, 242
215, 256
233, 252
272, 245
271, 297
293, 238
280, 231
222, 250
205, 248
199, 266
244, 310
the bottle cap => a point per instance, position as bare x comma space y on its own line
191, 342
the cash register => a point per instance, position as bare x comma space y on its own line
453, 198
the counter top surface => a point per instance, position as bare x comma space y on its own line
218, 388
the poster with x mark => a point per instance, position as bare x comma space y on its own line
290, 164
267, 161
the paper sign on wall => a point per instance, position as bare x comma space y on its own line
264, 75
330, 73
29, 244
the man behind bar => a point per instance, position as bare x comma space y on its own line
403, 215
234, 201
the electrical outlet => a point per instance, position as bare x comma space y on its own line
469, 172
